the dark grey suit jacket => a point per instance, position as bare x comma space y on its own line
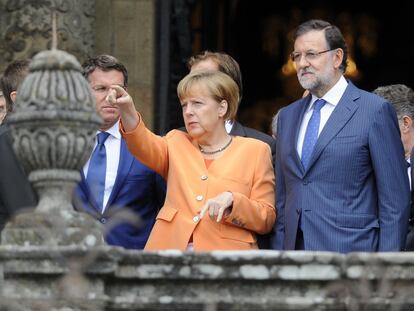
239, 130
409, 242
263, 240
15, 190
354, 195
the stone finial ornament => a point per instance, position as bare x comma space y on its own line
53, 128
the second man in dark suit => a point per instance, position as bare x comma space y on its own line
225, 63
219, 61
402, 98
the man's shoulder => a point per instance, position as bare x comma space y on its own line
5, 137
253, 133
4, 130
297, 104
368, 101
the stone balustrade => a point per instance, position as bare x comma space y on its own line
110, 278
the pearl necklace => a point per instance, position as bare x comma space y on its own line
218, 150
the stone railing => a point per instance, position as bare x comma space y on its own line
108, 278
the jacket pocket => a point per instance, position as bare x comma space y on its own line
345, 139
167, 213
235, 233
357, 221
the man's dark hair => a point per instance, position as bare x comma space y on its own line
105, 63
333, 37
12, 78
400, 96
225, 63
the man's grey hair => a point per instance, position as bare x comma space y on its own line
400, 96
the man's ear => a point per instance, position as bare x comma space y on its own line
339, 56
407, 124
223, 106
13, 96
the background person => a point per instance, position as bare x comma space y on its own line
3, 107
402, 98
219, 61
225, 63
13, 77
16, 193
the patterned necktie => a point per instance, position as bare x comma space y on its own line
311, 135
97, 170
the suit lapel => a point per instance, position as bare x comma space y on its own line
303, 105
125, 163
339, 117
93, 208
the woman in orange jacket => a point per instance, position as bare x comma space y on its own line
220, 189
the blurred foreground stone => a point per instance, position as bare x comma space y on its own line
53, 127
37, 278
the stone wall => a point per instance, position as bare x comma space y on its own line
107, 278
26, 28
125, 29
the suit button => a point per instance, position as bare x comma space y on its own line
196, 218
199, 197
103, 220
298, 211
305, 182
204, 177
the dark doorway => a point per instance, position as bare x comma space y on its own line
258, 34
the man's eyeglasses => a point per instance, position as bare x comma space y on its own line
309, 55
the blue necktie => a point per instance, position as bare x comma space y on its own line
311, 135
97, 170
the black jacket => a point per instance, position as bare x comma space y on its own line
15, 190
239, 130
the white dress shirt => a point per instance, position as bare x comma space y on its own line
113, 151
332, 98
229, 125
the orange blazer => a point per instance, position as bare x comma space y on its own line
245, 169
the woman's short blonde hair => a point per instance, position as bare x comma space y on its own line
219, 85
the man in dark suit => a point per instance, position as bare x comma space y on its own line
127, 186
402, 98
341, 181
219, 61
16, 192
225, 63
3, 107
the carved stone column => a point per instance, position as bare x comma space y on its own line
25, 28
53, 127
